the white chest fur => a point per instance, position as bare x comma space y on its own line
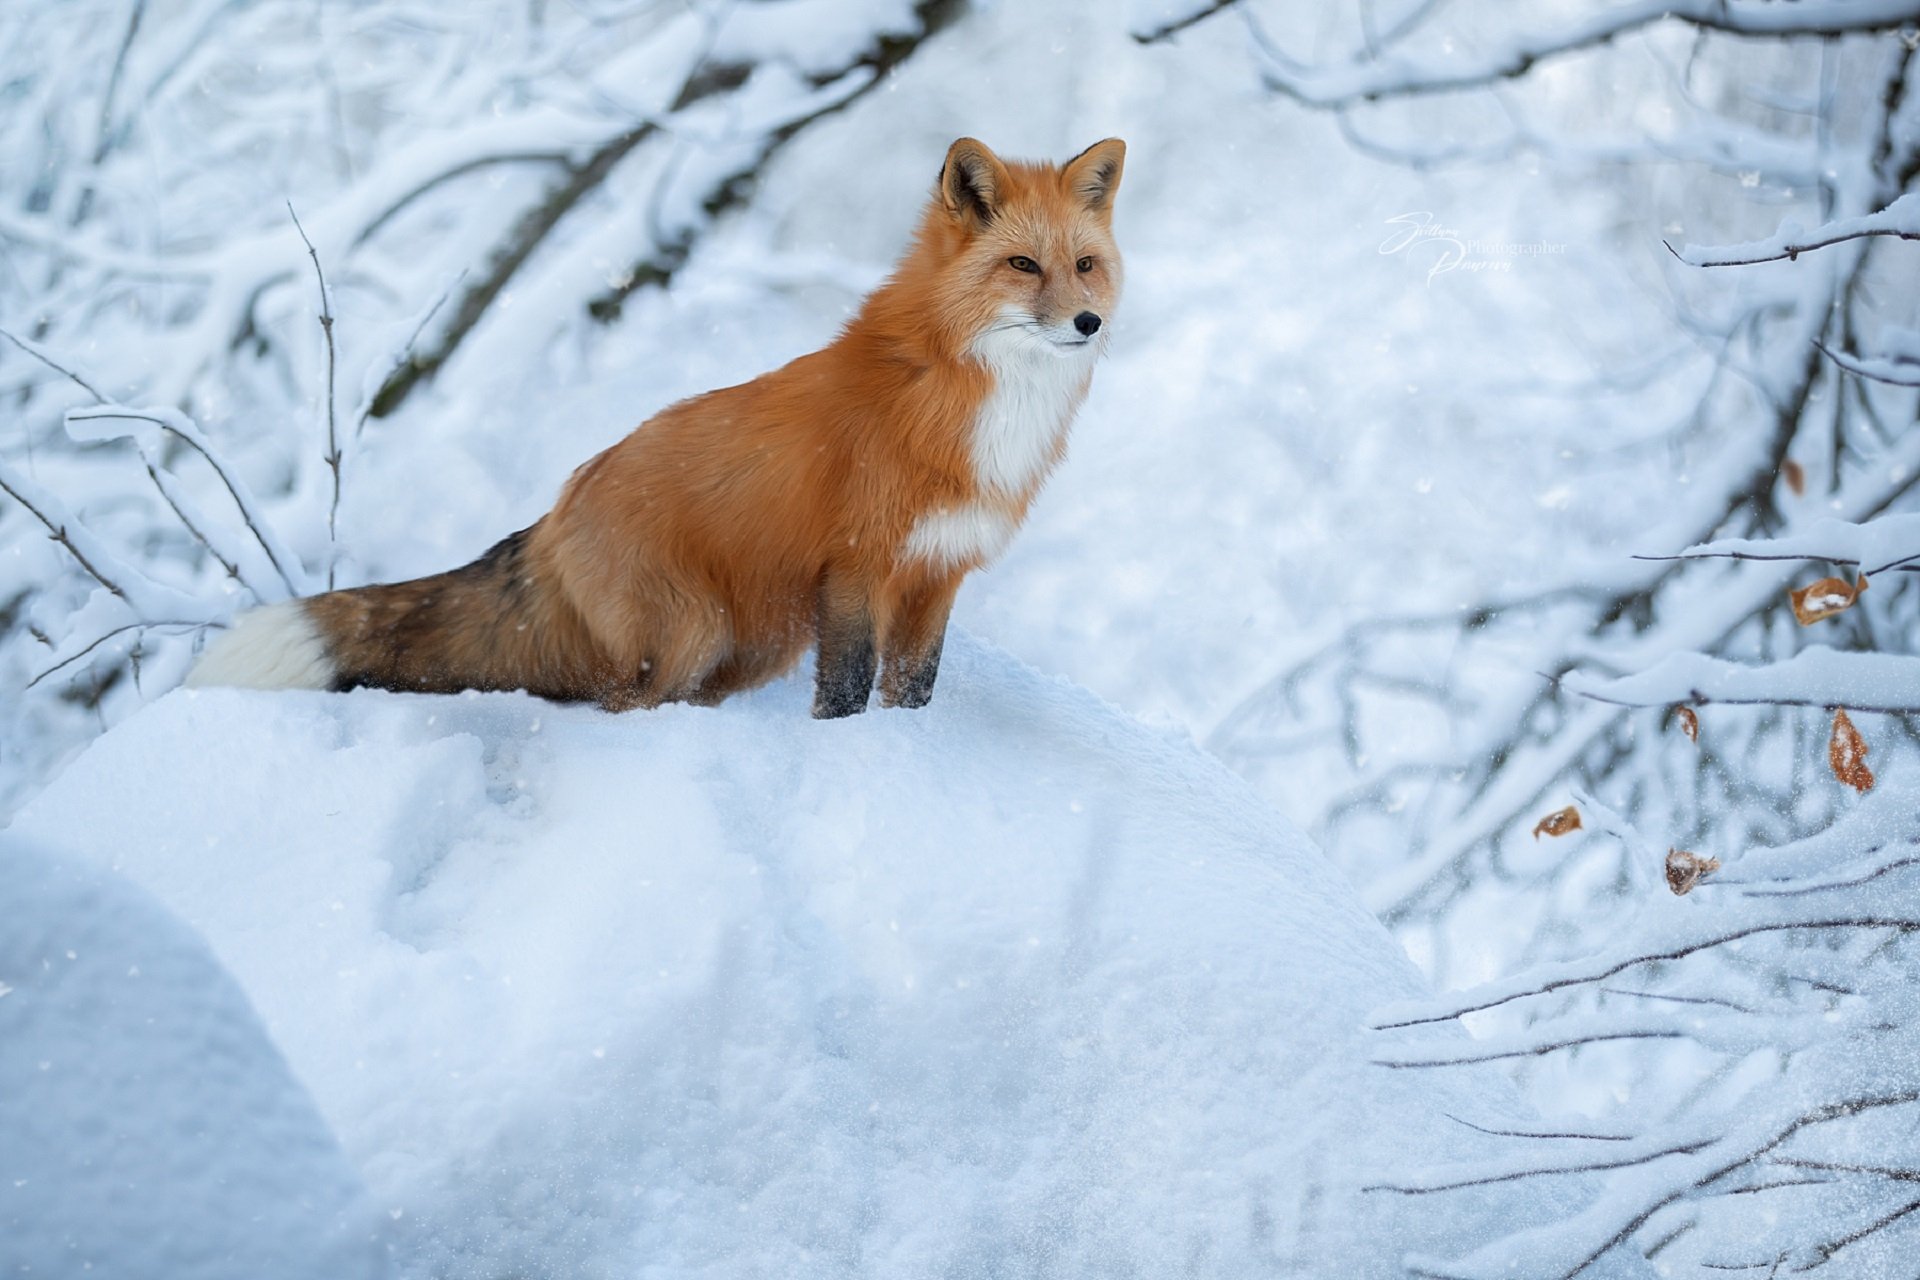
1016, 437
1036, 387
972, 534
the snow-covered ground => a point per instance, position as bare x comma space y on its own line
148, 1125
1010, 986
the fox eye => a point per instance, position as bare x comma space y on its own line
1020, 262
1085, 264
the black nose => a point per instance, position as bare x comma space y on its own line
1087, 323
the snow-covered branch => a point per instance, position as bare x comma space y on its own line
1899, 370
1874, 547
1884, 683
138, 592
1676, 944
1368, 77
1900, 220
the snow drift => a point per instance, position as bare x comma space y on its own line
148, 1128
1012, 986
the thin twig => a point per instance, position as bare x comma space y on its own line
1538, 1133
1533, 1050
1904, 562
60, 536
1824, 1253
247, 512
1853, 364
333, 440
153, 474
40, 354
1168, 30
1792, 252
406, 351
1904, 924
1695, 698
72, 658
1596, 1165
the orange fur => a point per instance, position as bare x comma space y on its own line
839, 500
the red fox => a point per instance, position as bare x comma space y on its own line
836, 502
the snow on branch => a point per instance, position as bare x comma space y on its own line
1172, 27
1714, 1028
147, 598
1690, 935
1900, 220
41, 354
1818, 676
1898, 370
1565, 1249
285, 564
1874, 547
1369, 77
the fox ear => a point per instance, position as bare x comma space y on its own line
1094, 174
972, 182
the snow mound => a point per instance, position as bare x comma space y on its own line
1011, 986
147, 1125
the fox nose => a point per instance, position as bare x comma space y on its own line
1087, 323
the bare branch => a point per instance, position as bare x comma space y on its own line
173, 501
72, 658
1467, 1055
557, 159
39, 353
1540, 1133
333, 439
1579, 974
1892, 1173
1823, 1253
1853, 882
1645, 1154
1174, 28
58, 531
1714, 1001
1894, 371
242, 497
405, 356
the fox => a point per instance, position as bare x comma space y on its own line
834, 504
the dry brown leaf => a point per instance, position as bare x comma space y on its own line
1847, 754
1685, 870
1796, 476
1557, 823
1824, 598
1689, 722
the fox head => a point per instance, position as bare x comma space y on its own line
1022, 256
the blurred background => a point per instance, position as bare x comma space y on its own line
1413, 360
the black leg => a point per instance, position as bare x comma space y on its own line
914, 686
916, 629
846, 655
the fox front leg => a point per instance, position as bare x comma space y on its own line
844, 672
915, 636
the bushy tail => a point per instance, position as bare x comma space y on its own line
273, 647
493, 624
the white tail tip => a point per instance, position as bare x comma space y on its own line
273, 647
